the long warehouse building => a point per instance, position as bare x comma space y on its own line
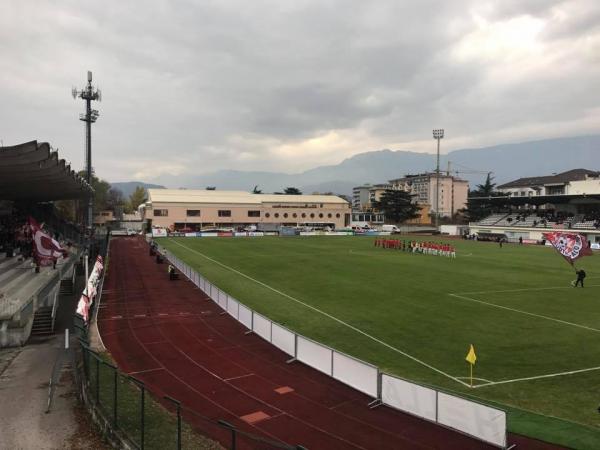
187, 209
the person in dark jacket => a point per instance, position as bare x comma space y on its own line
580, 277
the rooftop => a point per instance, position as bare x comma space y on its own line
560, 178
238, 197
33, 171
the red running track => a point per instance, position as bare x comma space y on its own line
171, 336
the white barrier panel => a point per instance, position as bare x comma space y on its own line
314, 355
483, 422
232, 307
354, 373
409, 397
222, 299
245, 316
213, 292
261, 326
283, 339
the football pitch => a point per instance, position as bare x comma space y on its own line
537, 338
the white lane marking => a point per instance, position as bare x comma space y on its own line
238, 377
156, 369
550, 375
564, 322
524, 289
352, 327
475, 378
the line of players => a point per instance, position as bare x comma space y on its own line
426, 247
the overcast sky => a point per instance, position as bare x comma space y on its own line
286, 85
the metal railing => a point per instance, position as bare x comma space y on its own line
122, 401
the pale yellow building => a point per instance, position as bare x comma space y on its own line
453, 191
178, 209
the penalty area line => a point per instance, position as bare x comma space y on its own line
539, 316
522, 290
538, 377
346, 324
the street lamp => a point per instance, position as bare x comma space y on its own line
437, 134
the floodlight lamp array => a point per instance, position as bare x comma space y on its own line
438, 133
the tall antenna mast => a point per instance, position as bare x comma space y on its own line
88, 93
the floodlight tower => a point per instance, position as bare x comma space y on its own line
88, 93
437, 134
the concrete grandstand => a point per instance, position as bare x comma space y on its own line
32, 174
530, 207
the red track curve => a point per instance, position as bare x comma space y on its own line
173, 338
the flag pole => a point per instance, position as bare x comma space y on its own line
471, 374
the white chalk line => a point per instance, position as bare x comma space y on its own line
564, 322
475, 378
352, 327
550, 375
524, 290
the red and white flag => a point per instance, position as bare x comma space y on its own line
83, 307
570, 245
46, 249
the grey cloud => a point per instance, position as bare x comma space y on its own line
198, 86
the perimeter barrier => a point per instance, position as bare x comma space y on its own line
120, 404
466, 416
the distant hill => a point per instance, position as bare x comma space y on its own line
127, 187
507, 162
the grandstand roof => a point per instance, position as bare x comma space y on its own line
32, 171
560, 178
237, 197
538, 199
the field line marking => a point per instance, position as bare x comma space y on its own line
524, 289
525, 312
475, 378
550, 375
352, 327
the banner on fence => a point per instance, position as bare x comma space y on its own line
409, 397
245, 316
483, 422
314, 355
261, 326
283, 339
355, 373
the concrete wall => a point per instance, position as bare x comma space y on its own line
271, 213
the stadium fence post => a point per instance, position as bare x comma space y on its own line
178, 406
142, 412
97, 380
233, 433
115, 399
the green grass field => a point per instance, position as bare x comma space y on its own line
514, 304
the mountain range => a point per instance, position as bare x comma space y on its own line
506, 162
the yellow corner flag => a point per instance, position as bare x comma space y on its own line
471, 356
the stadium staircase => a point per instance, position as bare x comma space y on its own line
43, 323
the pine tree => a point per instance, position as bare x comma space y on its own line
397, 205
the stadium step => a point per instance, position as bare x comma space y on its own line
66, 287
42, 322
